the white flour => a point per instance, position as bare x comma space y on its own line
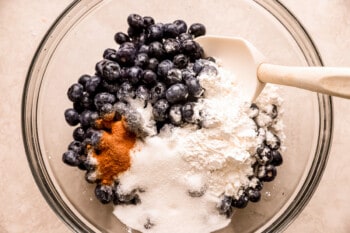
184, 171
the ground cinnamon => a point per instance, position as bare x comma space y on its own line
113, 154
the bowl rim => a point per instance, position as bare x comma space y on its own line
32, 145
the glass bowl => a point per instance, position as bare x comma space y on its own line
75, 43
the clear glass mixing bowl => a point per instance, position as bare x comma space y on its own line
76, 42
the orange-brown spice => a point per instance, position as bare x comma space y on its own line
113, 155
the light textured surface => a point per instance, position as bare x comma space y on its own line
23, 24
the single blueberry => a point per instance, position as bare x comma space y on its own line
148, 21
153, 64
92, 84
273, 141
241, 202
187, 111
107, 112
75, 146
253, 111
194, 87
125, 91
134, 74
91, 177
277, 159
198, 66
264, 154
254, 195
225, 207
75, 92
83, 79
181, 26
85, 118
174, 76
99, 67
170, 30
185, 36
149, 77
78, 106
109, 87
164, 67
86, 101
175, 115
79, 134
180, 61
71, 116
121, 37
110, 54
142, 93
95, 139
154, 32
104, 193
103, 98
144, 49
187, 74
267, 173
111, 71
141, 60
156, 50
126, 55
171, 46
197, 29
71, 158
157, 92
189, 46
160, 109
176, 93
135, 21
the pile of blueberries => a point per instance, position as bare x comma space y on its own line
155, 63
267, 158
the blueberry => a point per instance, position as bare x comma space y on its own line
157, 92
170, 30
144, 49
79, 134
160, 109
254, 195
187, 112
71, 158
110, 54
187, 74
153, 64
139, 40
91, 177
264, 155
135, 21
176, 93
95, 139
154, 32
86, 101
99, 67
71, 116
111, 71
267, 173
109, 87
241, 202
194, 87
75, 92
126, 55
83, 79
253, 111
185, 36
180, 61
141, 60
133, 33
85, 118
78, 106
134, 74
175, 115
181, 26
92, 84
156, 50
277, 159
125, 91
197, 29
174, 76
76, 147
142, 93
164, 67
148, 21
272, 111
121, 37
104, 98
209, 69
107, 112
82, 162
104, 193
259, 185
198, 66
171, 46
149, 77
189, 46
210, 59
225, 206
272, 141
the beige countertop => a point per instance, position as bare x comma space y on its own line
23, 24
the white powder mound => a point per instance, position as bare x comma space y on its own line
184, 172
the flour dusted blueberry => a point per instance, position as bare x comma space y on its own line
175, 114
187, 111
176, 93
225, 207
104, 193
160, 110
194, 87
241, 202
254, 195
157, 92
103, 98
125, 91
172, 46
142, 93
185, 36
